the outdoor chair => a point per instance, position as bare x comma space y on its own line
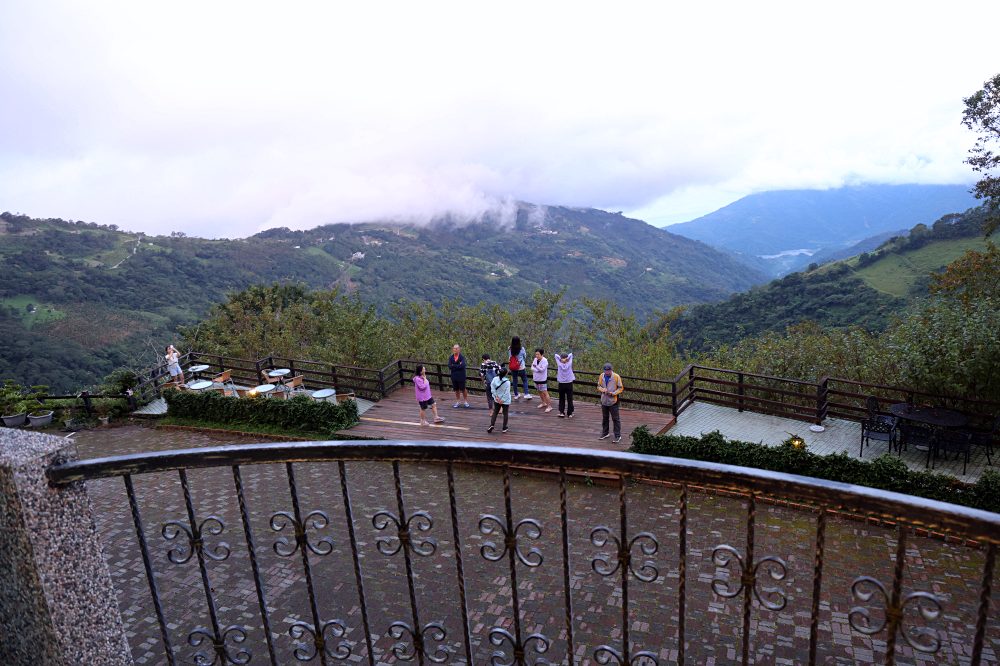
985, 438
294, 384
952, 441
918, 436
880, 428
871, 408
223, 379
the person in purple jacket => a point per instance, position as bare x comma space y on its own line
422, 389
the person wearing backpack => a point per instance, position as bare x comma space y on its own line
488, 369
609, 383
518, 360
500, 387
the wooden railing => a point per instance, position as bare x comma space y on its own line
746, 391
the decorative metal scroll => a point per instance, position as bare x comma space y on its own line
407, 533
605, 654
316, 520
607, 566
221, 653
769, 597
212, 526
329, 632
922, 639
419, 641
528, 528
519, 651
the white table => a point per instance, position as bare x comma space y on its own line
278, 372
198, 368
324, 395
200, 385
264, 389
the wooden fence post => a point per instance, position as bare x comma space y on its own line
87, 404
822, 398
333, 371
740, 390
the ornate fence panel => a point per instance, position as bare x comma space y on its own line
329, 552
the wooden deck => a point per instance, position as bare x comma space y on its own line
398, 417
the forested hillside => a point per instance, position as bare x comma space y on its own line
79, 299
865, 291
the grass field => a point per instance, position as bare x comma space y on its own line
896, 274
42, 314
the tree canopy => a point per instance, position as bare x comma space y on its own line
982, 115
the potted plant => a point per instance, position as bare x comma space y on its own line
11, 396
40, 417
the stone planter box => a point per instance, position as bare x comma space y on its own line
40, 418
14, 420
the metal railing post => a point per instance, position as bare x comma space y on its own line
822, 398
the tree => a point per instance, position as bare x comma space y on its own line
982, 115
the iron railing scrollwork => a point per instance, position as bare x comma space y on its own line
881, 607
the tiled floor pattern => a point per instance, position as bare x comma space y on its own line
838, 435
714, 623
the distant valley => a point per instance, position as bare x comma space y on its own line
784, 231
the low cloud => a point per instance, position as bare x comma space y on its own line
272, 116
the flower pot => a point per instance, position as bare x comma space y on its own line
14, 420
37, 419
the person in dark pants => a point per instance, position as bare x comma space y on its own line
609, 383
565, 379
456, 364
501, 399
488, 369
518, 359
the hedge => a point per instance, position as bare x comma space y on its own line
885, 472
300, 414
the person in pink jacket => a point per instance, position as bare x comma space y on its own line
422, 389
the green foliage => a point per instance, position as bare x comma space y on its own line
17, 399
301, 414
982, 115
884, 473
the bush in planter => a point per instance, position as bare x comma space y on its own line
885, 472
300, 414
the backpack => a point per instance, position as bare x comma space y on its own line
515, 363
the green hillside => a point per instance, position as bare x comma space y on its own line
104, 297
866, 291
903, 273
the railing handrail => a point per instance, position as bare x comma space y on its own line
928, 514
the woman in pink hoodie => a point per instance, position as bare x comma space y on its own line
422, 389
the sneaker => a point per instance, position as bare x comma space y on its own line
505, 429
618, 440
423, 423
561, 415
539, 405
490, 429
548, 409
604, 436
456, 405
527, 397
439, 420
569, 416
517, 397
466, 405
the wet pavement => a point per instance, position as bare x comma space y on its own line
713, 623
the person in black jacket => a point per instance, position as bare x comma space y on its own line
456, 364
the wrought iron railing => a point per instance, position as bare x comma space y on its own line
407, 523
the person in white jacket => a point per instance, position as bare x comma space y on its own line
540, 374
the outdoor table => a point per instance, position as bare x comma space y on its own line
264, 389
324, 395
200, 385
197, 369
939, 417
278, 373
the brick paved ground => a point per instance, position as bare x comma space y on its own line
839, 435
714, 623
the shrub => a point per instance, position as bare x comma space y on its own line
883, 473
300, 414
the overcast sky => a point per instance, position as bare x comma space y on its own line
224, 118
